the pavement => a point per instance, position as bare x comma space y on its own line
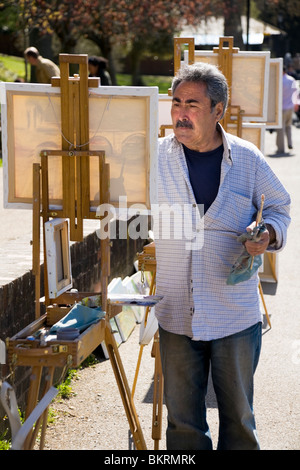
94, 417
16, 237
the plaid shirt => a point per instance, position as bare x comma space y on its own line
195, 254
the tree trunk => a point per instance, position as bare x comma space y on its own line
106, 50
135, 61
233, 23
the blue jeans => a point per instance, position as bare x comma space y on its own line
186, 364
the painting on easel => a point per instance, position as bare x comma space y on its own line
250, 78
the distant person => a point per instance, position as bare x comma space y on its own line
45, 69
289, 87
97, 68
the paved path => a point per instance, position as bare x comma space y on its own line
94, 418
16, 236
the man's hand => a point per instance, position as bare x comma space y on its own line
259, 247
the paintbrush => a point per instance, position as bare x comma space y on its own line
258, 220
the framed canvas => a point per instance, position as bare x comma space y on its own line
123, 123
250, 78
268, 271
164, 114
253, 132
57, 246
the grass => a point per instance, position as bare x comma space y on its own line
162, 82
12, 67
65, 388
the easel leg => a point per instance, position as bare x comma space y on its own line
137, 370
124, 389
45, 414
33, 395
264, 304
36, 206
151, 292
43, 418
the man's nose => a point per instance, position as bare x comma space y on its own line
183, 114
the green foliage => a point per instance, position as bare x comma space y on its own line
65, 389
4, 444
51, 416
162, 82
12, 67
90, 361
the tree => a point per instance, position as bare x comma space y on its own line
285, 14
233, 10
137, 23
55, 16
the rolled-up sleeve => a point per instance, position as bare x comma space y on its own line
277, 203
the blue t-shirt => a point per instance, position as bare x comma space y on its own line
204, 171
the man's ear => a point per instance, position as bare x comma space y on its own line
218, 111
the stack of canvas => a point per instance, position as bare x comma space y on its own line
124, 323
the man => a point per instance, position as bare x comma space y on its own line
203, 322
289, 101
45, 68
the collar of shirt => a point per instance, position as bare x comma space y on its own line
227, 155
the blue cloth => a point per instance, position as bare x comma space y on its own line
186, 364
79, 317
246, 265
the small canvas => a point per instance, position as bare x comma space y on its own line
58, 257
268, 272
253, 132
125, 320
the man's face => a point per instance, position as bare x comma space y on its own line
31, 60
193, 119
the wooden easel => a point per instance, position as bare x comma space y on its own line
225, 52
147, 262
76, 206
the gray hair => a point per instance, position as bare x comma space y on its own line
201, 72
31, 52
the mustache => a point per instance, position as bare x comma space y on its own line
187, 124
